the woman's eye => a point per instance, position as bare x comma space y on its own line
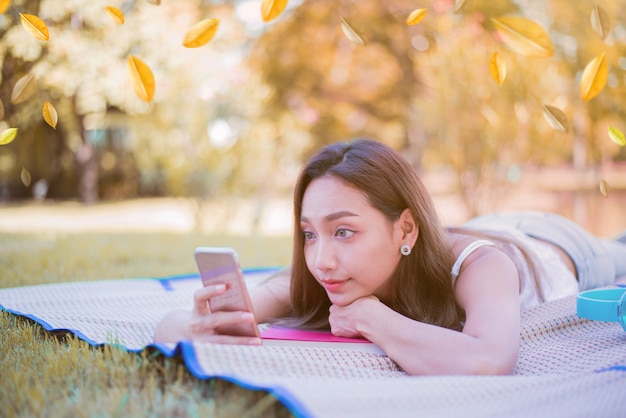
344, 233
308, 235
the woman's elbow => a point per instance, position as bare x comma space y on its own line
489, 364
479, 365
173, 327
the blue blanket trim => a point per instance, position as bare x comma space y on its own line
164, 349
166, 282
283, 395
618, 368
50, 328
185, 349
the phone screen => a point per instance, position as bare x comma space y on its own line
220, 265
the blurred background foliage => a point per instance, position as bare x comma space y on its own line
239, 115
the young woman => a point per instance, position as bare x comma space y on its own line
372, 259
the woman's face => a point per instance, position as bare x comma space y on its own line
349, 246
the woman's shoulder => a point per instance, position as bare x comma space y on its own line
460, 242
474, 250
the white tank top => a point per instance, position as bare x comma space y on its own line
555, 278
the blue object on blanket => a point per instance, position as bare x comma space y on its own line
603, 305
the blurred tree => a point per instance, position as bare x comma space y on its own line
578, 44
241, 113
426, 89
485, 133
82, 71
336, 88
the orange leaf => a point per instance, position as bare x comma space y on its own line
271, 9
604, 188
35, 26
351, 33
50, 114
115, 13
416, 16
201, 33
524, 36
25, 176
8, 136
4, 5
23, 88
458, 4
556, 118
497, 68
600, 21
617, 136
142, 78
594, 77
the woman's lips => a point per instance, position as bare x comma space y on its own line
332, 285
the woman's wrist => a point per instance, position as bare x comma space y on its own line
368, 316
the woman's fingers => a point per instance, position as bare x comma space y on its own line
206, 324
203, 323
201, 297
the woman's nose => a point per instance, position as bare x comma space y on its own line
325, 256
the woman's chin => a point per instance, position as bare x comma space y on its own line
340, 299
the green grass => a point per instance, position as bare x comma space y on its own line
42, 374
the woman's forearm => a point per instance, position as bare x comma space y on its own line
423, 349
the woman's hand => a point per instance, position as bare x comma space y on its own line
270, 300
203, 324
344, 320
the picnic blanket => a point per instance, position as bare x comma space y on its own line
567, 366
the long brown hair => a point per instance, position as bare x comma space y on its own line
421, 286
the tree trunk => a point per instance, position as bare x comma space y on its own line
87, 167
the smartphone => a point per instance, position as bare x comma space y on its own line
221, 265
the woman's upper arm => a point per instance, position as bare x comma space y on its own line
271, 299
488, 290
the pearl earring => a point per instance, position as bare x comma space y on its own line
405, 250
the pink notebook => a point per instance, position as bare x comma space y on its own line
282, 333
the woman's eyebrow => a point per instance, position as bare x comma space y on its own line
332, 216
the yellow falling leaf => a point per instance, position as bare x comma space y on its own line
201, 33
4, 5
115, 14
617, 136
604, 188
7, 136
524, 36
416, 16
23, 88
600, 21
50, 114
271, 9
594, 77
351, 33
556, 118
35, 27
497, 68
142, 78
25, 176
458, 4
